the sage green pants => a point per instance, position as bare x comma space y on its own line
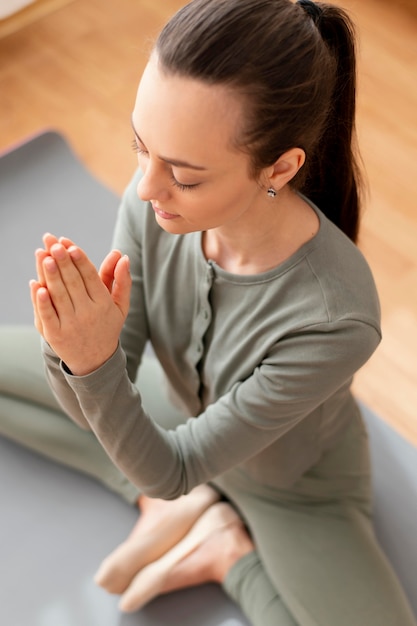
316, 563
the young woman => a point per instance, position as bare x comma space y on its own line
235, 257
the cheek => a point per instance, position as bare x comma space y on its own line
210, 211
230, 201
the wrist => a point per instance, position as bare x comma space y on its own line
86, 367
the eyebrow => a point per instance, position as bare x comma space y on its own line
175, 162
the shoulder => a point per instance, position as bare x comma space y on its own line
343, 276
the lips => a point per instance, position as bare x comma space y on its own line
164, 214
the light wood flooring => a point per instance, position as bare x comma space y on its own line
73, 65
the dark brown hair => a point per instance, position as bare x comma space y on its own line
295, 66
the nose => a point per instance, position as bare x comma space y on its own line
151, 185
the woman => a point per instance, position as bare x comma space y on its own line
234, 256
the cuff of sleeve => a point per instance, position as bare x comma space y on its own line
103, 377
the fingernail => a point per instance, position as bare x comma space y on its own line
49, 264
57, 247
74, 252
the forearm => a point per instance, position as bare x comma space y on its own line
60, 388
111, 406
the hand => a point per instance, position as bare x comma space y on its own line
106, 271
79, 311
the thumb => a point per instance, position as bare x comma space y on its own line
107, 268
122, 285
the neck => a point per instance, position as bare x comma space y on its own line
261, 240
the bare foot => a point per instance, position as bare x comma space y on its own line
161, 525
206, 554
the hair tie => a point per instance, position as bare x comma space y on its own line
312, 9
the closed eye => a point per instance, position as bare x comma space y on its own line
136, 148
181, 186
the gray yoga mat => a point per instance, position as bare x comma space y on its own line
56, 524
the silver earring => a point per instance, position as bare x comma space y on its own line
271, 192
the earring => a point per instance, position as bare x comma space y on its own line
271, 192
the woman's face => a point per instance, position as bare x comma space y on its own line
193, 176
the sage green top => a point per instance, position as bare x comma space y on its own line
261, 363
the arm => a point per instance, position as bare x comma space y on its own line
281, 392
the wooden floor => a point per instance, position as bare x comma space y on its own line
73, 65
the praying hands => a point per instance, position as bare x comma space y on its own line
78, 310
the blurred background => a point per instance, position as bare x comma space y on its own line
73, 66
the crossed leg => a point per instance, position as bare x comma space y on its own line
215, 548
205, 554
161, 525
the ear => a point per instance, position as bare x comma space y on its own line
285, 168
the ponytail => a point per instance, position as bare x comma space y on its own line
334, 181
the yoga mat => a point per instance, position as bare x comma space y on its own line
56, 524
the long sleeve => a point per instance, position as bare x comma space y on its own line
281, 392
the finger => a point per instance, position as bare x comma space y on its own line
106, 271
40, 256
79, 276
34, 286
49, 240
122, 285
92, 282
70, 274
67, 243
46, 313
61, 283
41, 253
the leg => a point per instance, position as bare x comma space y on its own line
30, 415
216, 549
161, 525
317, 546
327, 570
189, 562
248, 584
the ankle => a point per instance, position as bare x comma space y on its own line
203, 496
236, 543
